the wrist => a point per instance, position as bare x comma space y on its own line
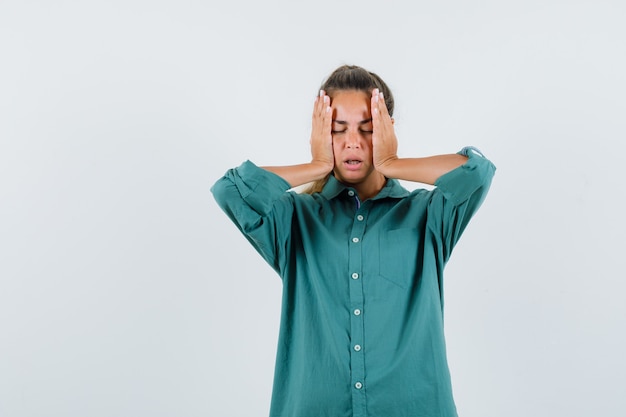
386, 165
320, 168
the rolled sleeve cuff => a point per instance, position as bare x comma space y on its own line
258, 187
475, 174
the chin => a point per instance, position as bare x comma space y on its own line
351, 179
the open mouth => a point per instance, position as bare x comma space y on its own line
352, 164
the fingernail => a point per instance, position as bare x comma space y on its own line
381, 94
321, 93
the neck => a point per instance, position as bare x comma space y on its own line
371, 187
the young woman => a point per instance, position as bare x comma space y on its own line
360, 257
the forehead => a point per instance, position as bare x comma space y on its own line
351, 105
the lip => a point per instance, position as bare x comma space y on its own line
352, 166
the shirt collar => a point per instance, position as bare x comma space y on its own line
392, 189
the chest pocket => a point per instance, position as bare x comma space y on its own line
398, 250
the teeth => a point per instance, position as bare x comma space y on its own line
353, 161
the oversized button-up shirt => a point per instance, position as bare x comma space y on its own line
361, 331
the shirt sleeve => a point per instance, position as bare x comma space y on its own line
458, 196
257, 202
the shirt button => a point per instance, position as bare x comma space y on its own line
357, 312
355, 276
358, 385
355, 239
351, 193
359, 218
357, 348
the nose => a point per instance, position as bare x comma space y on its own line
353, 140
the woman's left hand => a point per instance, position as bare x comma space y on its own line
384, 139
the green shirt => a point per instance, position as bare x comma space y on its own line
361, 330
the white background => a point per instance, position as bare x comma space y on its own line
125, 291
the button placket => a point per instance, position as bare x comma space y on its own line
357, 357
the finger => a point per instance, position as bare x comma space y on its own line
327, 115
321, 101
382, 105
322, 104
317, 107
317, 114
374, 103
324, 109
322, 116
376, 120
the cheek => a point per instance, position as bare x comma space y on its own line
367, 143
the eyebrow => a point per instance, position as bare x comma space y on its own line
362, 122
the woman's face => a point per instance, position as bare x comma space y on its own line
352, 136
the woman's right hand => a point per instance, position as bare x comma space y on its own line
323, 159
321, 136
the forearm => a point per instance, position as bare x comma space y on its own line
425, 170
300, 174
